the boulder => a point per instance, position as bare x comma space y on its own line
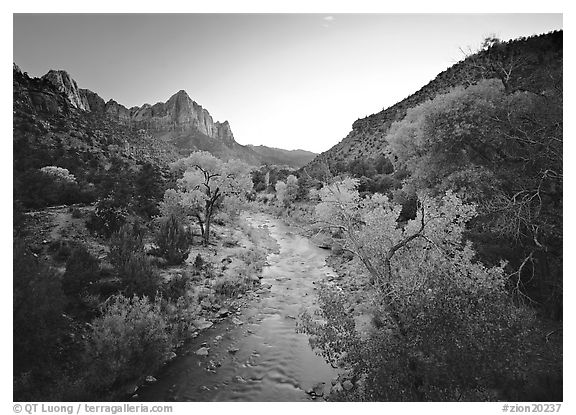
337, 388
347, 385
202, 324
203, 351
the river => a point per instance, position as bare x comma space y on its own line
263, 358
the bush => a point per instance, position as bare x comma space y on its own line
61, 249
231, 286
76, 213
176, 287
139, 276
107, 219
199, 262
38, 304
124, 243
82, 269
173, 241
129, 341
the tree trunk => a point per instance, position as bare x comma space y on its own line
207, 220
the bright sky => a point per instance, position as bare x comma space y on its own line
282, 80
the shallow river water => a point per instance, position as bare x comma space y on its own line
272, 361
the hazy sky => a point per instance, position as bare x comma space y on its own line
283, 80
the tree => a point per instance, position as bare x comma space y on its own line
280, 188
291, 188
287, 192
173, 241
206, 181
502, 151
443, 324
148, 190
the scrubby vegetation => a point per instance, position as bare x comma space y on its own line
105, 294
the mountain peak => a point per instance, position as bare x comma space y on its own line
180, 95
67, 86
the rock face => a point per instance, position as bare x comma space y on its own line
180, 114
117, 111
180, 123
95, 103
68, 87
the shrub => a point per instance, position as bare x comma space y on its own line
38, 323
76, 213
199, 262
230, 286
124, 243
139, 276
61, 249
82, 269
129, 341
173, 241
176, 287
107, 219
180, 314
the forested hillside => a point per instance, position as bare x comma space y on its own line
490, 129
530, 64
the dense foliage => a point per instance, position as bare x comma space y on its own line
443, 324
503, 152
173, 241
205, 183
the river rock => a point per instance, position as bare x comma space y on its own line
347, 385
202, 323
171, 356
206, 304
150, 379
233, 350
203, 351
337, 388
239, 379
237, 321
223, 312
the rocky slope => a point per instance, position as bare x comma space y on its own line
531, 61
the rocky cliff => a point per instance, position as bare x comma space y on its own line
68, 87
179, 121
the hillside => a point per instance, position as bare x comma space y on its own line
293, 158
527, 63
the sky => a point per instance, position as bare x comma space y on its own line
283, 80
